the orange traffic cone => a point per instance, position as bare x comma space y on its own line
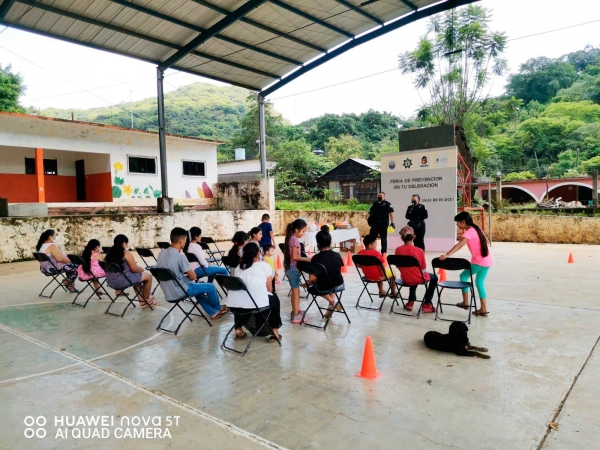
344, 268
369, 368
442, 275
349, 260
279, 265
571, 259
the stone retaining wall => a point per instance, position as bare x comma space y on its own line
18, 236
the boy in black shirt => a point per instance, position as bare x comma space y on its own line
332, 261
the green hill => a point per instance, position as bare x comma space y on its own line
197, 110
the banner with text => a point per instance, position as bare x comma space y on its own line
431, 174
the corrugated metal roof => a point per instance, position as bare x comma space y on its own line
373, 165
256, 44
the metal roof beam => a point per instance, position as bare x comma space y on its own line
418, 15
120, 53
191, 26
410, 4
144, 37
212, 31
360, 11
5, 7
263, 27
314, 19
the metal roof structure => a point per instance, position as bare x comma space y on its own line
260, 45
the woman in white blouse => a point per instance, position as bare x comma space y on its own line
258, 277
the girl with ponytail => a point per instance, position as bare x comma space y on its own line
291, 255
481, 259
90, 269
201, 269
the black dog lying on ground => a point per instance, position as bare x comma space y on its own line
456, 341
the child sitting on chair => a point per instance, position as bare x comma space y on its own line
269, 258
333, 263
372, 273
412, 275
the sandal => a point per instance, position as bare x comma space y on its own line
217, 315
150, 302
460, 305
272, 338
241, 336
479, 313
224, 310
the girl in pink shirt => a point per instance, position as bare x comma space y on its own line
481, 258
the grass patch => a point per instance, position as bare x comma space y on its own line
321, 205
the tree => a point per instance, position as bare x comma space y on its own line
248, 133
342, 148
591, 165
587, 87
297, 170
567, 163
455, 62
519, 176
11, 88
540, 79
583, 58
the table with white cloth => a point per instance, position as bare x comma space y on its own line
341, 235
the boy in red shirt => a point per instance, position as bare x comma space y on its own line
373, 273
412, 275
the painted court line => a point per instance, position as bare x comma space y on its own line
162, 397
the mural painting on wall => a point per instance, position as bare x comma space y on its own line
121, 189
204, 192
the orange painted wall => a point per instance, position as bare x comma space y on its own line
60, 189
18, 188
98, 187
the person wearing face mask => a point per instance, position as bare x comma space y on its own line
416, 215
380, 216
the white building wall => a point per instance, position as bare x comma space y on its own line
64, 140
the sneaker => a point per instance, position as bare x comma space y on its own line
428, 308
297, 318
409, 305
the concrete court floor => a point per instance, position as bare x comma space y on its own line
60, 360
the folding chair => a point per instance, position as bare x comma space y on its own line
164, 275
217, 252
452, 264
320, 271
58, 276
147, 253
237, 284
211, 256
109, 267
230, 263
163, 245
78, 261
106, 249
371, 261
406, 262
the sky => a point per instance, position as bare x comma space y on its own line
62, 75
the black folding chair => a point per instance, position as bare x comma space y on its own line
216, 252
148, 253
165, 275
109, 267
320, 271
163, 245
371, 261
405, 262
453, 264
230, 263
58, 276
211, 256
78, 261
106, 249
237, 284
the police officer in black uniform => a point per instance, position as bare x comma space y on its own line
380, 215
416, 215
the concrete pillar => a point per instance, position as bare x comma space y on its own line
39, 173
498, 193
